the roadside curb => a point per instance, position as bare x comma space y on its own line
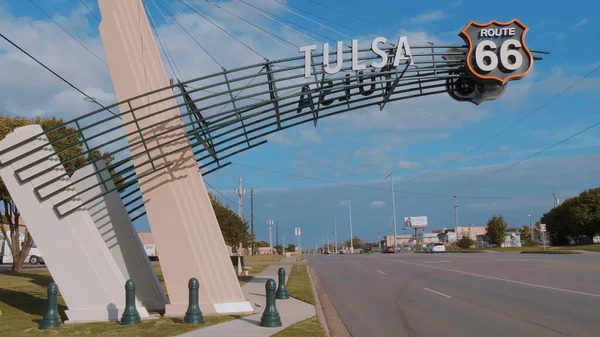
335, 327
318, 307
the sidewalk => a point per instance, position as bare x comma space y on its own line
290, 310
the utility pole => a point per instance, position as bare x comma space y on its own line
530, 228
283, 239
554, 200
328, 240
270, 222
240, 192
393, 211
456, 217
351, 237
335, 235
252, 218
277, 233
379, 239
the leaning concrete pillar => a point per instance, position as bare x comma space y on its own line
79, 261
117, 231
179, 211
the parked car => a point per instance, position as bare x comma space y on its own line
366, 250
435, 247
388, 250
342, 252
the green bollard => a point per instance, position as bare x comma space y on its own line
130, 314
270, 317
282, 293
51, 319
193, 315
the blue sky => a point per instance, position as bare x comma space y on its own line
359, 148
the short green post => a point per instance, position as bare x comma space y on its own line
193, 315
270, 317
51, 319
282, 293
130, 314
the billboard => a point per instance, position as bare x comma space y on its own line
415, 222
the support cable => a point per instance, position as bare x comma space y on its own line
256, 27
367, 21
190, 35
162, 45
90, 11
221, 28
57, 75
66, 31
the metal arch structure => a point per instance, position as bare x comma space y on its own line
230, 111
161, 139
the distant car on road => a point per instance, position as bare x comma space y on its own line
327, 252
389, 250
366, 250
342, 252
435, 247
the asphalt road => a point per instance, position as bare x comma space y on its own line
489, 294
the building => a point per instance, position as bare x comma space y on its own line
407, 239
448, 235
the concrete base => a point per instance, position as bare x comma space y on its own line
77, 257
121, 238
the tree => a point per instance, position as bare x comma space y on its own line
233, 228
279, 249
575, 218
496, 230
465, 242
262, 244
71, 154
291, 248
356, 242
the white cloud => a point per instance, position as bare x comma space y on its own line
310, 135
581, 23
405, 164
377, 204
428, 17
456, 3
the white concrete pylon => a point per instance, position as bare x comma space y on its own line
79, 261
117, 231
181, 217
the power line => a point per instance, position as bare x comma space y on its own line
162, 45
57, 75
66, 31
506, 129
264, 31
220, 28
386, 190
364, 20
89, 10
190, 35
309, 19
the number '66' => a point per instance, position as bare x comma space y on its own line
486, 58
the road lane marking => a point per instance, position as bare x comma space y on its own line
437, 261
501, 279
380, 272
358, 264
437, 292
512, 260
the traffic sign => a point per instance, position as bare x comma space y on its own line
542, 227
298, 231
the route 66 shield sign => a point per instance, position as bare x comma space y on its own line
497, 51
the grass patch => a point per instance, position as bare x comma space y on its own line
299, 285
591, 248
263, 258
555, 251
309, 327
469, 250
23, 301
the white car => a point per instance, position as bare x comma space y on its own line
435, 247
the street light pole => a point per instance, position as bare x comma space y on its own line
351, 236
530, 228
335, 235
394, 211
283, 242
